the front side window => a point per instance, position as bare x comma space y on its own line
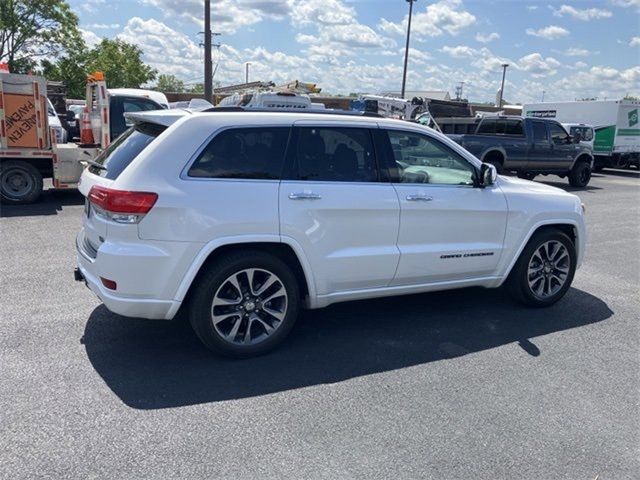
422, 159
558, 134
585, 133
335, 155
254, 153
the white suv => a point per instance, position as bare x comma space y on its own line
244, 217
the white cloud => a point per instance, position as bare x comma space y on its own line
90, 38
580, 65
444, 16
460, 51
551, 32
227, 16
322, 12
486, 38
582, 14
538, 66
635, 42
576, 52
103, 26
626, 3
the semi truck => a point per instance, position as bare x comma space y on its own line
29, 148
617, 129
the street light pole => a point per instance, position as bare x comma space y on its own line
208, 77
406, 49
504, 72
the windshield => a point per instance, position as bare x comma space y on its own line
115, 158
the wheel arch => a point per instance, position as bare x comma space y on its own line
284, 248
568, 227
495, 152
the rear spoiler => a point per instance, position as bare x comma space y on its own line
164, 118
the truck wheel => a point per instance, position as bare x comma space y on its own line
545, 269
245, 304
580, 175
527, 175
20, 182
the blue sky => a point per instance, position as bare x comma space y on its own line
567, 49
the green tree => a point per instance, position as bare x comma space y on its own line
197, 88
70, 70
121, 63
169, 83
34, 29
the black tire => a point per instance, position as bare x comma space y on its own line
215, 278
527, 175
20, 182
496, 160
518, 281
580, 175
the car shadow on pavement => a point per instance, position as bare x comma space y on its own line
153, 364
50, 202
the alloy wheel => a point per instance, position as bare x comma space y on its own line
548, 269
249, 306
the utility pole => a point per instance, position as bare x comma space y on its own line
543, 95
208, 77
459, 90
504, 72
246, 72
406, 49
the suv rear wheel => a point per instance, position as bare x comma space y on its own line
545, 269
245, 304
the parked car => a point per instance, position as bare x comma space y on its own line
55, 125
529, 147
242, 218
74, 124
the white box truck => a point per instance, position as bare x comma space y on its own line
616, 122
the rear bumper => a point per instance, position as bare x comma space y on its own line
139, 307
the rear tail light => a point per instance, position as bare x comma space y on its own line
122, 206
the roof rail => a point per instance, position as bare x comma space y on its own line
327, 111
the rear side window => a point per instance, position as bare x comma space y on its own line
335, 155
256, 153
487, 127
120, 153
539, 132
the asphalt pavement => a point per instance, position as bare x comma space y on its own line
453, 385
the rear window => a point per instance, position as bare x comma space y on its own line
501, 127
119, 154
250, 153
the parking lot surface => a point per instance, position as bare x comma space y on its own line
461, 384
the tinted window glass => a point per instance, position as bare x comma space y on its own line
539, 132
120, 153
558, 134
243, 153
137, 105
513, 127
422, 159
487, 126
335, 154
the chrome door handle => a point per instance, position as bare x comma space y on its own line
304, 196
419, 198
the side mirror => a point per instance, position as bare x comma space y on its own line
488, 174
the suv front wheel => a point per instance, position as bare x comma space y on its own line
545, 269
245, 304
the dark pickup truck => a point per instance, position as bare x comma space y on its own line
529, 147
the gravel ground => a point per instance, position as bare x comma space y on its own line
453, 385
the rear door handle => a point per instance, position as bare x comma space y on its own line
304, 196
417, 197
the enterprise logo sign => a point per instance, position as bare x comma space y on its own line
542, 113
